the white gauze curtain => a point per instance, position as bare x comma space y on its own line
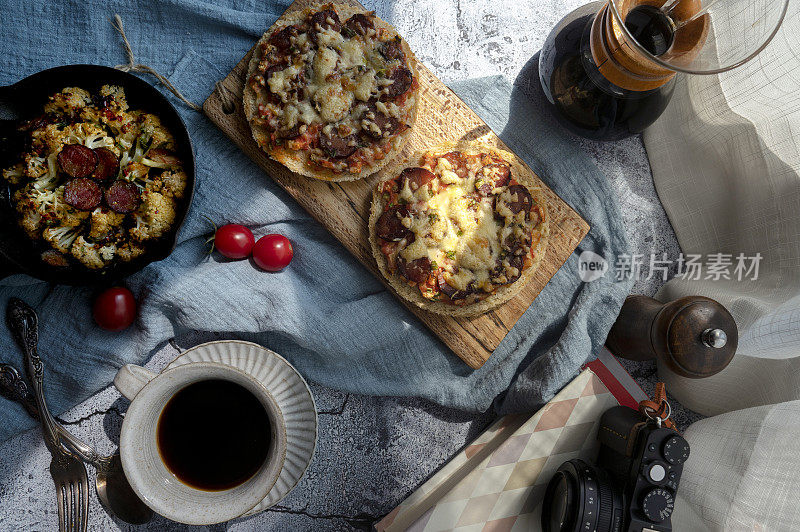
726, 163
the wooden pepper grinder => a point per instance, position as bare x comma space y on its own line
693, 336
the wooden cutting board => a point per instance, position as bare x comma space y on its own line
343, 208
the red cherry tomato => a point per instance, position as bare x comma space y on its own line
115, 309
273, 252
234, 241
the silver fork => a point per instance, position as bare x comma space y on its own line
68, 471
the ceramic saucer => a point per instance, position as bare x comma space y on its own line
290, 391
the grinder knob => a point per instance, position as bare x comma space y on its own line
694, 336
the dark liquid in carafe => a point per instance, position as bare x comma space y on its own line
651, 28
586, 102
213, 435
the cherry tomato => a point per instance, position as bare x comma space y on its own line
115, 309
273, 252
234, 241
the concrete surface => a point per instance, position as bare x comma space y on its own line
372, 452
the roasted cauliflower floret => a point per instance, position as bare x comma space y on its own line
14, 174
172, 183
65, 214
135, 172
48, 181
70, 100
94, 256
50, 204
88, 134
129, 251
61, 238
31, 222
124, 126
49, 137
35, 166
90, 114
154, 216
31, 219
36, 192
155, 134
104, 222
114, 97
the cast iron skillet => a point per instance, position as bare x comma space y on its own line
25, 99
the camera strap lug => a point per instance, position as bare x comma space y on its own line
658, 409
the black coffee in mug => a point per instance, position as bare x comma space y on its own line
214, 435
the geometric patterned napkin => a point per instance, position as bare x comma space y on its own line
497, 482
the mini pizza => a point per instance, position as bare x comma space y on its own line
332, 93
459, 230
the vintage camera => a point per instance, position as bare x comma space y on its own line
632, 486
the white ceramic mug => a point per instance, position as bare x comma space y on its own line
149, 477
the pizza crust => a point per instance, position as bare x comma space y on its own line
522, 174
298, 161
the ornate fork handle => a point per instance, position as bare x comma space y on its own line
23, 323
14, 388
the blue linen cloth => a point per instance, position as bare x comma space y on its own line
326, 313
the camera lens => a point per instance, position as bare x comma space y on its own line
560, 509
581, 496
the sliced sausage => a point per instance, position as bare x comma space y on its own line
492, 176
402, 79
516, 245
77, 160
386, 125
338, 147
122, 196
514, 261
282, 40
458, 162
107, 164
40, 122
517, 198
270, 96
417, 270
416, 177
323, 20
499, 274
83, 194
359, 23
389, 226
392, 49
289, 133
389, 250
450, 291
54, 258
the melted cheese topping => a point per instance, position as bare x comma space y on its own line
468, 237
326, 84
457, 230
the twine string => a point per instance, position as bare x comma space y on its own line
133, 66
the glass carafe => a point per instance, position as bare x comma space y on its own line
608, 69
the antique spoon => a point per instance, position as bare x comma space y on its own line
113, 488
